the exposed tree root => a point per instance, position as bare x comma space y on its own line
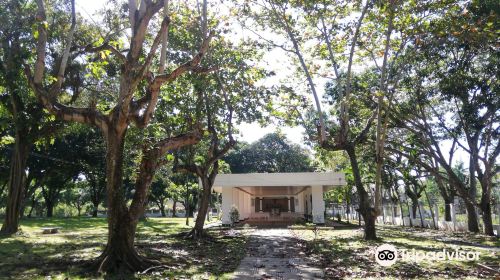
125, 262
196, 234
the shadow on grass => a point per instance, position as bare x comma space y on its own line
71, 253
344, 254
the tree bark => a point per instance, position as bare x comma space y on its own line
16, 184
162, 210
174, 209
197, 231
50, 208
472, 222
119, 254
485, 206
414, 206
95, 209
485, 203
367, 212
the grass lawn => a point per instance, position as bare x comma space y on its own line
69, 254
341, 251
344, 254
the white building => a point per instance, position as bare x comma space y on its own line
276, 196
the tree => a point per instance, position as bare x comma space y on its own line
29, 121
135, 98
227, 95
340, 37
272, 153
462, 86
76, 195
161, 190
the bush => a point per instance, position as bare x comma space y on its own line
234, 215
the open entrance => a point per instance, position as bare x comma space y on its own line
273, 197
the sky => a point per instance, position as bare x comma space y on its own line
276, 60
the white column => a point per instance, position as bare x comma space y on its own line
241, 204
393, 214
290, 204
227, 202
260, 206
383, 213
498, 214
453, 218
235, 199
247, 206
318, 205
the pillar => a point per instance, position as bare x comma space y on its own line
318, 205
498, 215
453, 214
260, 207
227, 202
241, 204
290, 204
436, 215
383, 213
393, 214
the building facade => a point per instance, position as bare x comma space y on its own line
276, 196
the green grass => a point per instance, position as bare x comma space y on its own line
340, 251
70, 253
344, 254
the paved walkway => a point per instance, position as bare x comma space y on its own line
276, 254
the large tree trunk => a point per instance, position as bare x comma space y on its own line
448, 196
16, 184
367, 212
95, 209
197, 231
50, 208
414, 207
472, 222
485, 204
119, 254
487, 220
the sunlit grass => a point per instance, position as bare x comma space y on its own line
69, 253
344, 253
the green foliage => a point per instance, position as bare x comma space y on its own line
234, 215
270, 154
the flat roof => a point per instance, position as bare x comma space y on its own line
280, 179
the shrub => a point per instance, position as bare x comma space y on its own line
234, 215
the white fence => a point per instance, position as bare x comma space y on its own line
392, 215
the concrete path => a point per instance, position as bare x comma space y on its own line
276, 254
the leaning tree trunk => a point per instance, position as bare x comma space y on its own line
17, 178
367, 212
119, 254
197, 231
